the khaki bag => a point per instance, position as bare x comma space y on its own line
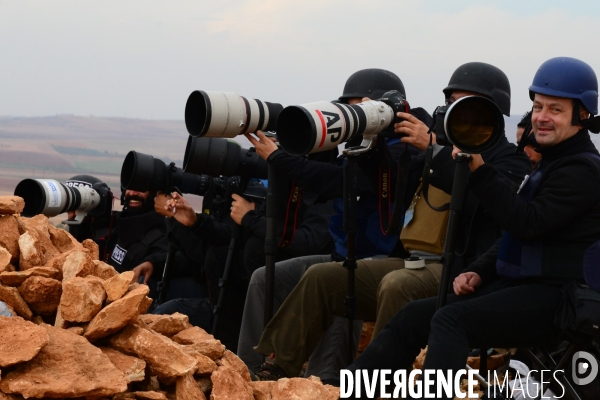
426, 231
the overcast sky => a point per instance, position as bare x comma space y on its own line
142, 58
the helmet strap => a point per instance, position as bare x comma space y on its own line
575, 119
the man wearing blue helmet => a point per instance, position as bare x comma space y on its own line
510, 295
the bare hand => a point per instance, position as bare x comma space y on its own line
264, 146
145, 269
415, 131
178, 207
476, 159
239, 208
466, 283
160, 202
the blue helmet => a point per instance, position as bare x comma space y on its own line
567, 77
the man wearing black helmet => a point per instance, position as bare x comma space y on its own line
510, 295
371, 241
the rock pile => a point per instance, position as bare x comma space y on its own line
79, 330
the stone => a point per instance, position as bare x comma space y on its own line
168, 325
5, 258
63, 240
9, 236
187, 389
59, 321
229, 385
11, 297
81, 299
38, 227
124, 396
21, 340
116, 315
57, 261
77, 264
165, 358
420, 360
192, 335
31, 254
333, 392
16, 278
78, 330
11, 205
41, 294
205, 365
68, 366
117, 285
231, 360
150, 395
262, 389
103, 270
133, 368
91, 248
38, 320
211, 348
298, 388
204, 383
4, 396
145, 305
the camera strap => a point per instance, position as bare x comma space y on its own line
391, 224
291, 216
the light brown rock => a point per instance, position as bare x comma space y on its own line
4, 396
11, 296
229, 385
204, 383
30, 252
59, 321
117, 285
68, 366
211, 348
150, 395
332, 392
77, 264
192, 335
21, 340
38, 227
262, 389
145, 305
231, 360
116, 315
78, 330
9, 236
132, 367
187, 389
165, 358
5, 258
81, 299
38, 320
298, 388
63, 240
57, 261
103, 270
16, 278
11, 205
91, 248
168, 325
41, 294
205, 365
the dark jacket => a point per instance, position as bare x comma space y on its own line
477, 229
563, 216
140, 238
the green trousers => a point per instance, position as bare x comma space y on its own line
297, 327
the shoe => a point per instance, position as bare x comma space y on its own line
268, 371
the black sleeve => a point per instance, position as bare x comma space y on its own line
485, 265
157, 251
255, 223
210, 231
312, 236
566, 193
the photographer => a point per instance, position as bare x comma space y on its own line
309, 236
382, 293
510, 295
371, 241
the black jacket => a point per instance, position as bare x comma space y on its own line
565, 211
477, 229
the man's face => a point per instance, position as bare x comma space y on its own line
551, 119
135, 200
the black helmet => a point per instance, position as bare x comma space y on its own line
483, 79
82, 181
372, 83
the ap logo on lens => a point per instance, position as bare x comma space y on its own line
582, 364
